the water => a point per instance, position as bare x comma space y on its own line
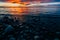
39, 23
51, 9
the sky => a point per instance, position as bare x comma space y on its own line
41, 0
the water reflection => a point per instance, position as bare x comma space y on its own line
18, 10
30, 10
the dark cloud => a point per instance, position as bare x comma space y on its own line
57, 0
2, 0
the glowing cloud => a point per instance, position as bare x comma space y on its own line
8, 4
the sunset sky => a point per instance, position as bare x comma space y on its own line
39, 0
20, 10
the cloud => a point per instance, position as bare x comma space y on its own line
2, 0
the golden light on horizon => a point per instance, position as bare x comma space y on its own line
17, 10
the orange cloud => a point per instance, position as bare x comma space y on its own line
14, 1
